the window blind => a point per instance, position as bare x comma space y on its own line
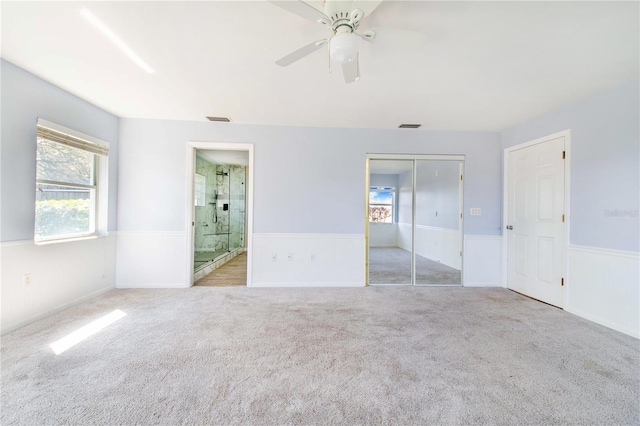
72, 141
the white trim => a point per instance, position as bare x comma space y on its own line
191, 147
430, 228
415, 157
628, 331
124, 233
591, 269
153, 285
567, 202
308, 284
45, 243
484, 237
611, 252
57, 309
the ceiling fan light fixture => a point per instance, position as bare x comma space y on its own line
344, 48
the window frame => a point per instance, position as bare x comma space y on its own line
374, 188
98, 187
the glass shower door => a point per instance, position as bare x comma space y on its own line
236, 207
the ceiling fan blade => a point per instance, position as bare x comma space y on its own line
351, 71
301, 9
367, 6
296, 55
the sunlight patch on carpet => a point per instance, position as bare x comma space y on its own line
81, 334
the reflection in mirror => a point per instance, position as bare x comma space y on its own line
390, 201
429, 250
438, 230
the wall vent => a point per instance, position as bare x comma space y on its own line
409, 126
220, 119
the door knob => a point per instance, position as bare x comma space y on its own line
509, 227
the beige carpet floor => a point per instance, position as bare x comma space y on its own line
376, 355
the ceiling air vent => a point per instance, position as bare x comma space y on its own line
220, 119
409, 126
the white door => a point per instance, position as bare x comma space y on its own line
535, 221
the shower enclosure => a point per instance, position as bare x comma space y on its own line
219, 201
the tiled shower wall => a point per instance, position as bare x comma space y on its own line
217, 229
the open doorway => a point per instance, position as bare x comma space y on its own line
414, 223
219, 212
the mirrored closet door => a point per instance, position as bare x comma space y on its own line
414, 223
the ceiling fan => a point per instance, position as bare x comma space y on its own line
343, 19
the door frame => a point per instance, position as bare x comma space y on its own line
414, 158
567, 204
190, 209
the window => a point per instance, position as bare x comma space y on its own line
200, 189
381, 202
68, 184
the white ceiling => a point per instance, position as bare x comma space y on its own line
236, 158
484, 65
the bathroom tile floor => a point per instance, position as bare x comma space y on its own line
232, 273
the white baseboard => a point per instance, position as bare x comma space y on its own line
482, 261
307, 284
152, 285
60, 275
338, 260
603, 286
383, 234
12, 327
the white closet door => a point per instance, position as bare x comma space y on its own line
535, 224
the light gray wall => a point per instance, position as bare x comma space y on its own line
25, 98
307, 180
405, 197
438, 197
605, 164
383, 180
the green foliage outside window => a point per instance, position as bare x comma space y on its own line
60, 217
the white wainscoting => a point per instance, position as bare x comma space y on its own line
61, 275
383, 234
339, 260
440, 244
151, 260
604, 286
482, 261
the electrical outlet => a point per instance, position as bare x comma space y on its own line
274, 257
289, 257
26, 279
313, 257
